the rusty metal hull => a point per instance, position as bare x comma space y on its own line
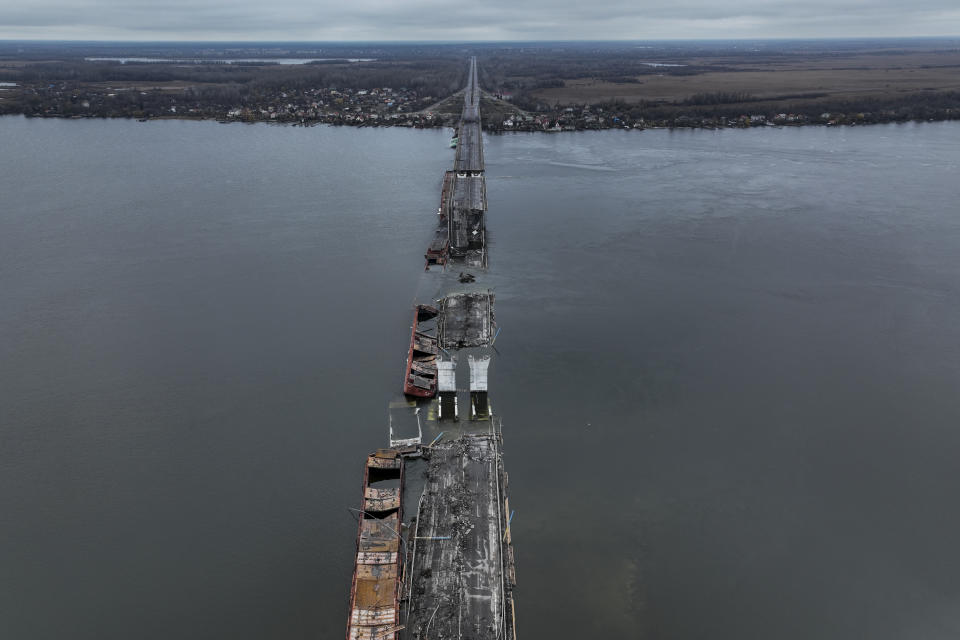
420, 377
374, 591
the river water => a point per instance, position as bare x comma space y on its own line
728, 374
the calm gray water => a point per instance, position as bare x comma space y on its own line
728, 375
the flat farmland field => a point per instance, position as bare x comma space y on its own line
882, 75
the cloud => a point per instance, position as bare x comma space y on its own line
320, 20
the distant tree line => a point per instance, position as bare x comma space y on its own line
439, 77
915, 106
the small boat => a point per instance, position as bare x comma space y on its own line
453, 142
420, 377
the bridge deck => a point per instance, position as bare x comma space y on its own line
469, 193
457, 569
469, 148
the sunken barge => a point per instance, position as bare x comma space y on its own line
434, 554
421, 377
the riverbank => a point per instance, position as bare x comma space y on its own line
534, 123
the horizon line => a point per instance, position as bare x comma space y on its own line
465, 42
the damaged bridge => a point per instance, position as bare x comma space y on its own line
461, 232
435, 556
461, 571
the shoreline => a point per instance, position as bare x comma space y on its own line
653, 126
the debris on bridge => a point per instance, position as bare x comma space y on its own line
441, 521
466, 320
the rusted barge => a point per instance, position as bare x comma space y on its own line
420, 378
445, 191
374, 593
439, 247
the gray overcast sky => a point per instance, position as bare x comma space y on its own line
321, 20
